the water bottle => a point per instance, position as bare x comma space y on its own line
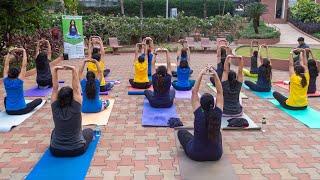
263, 123
97, 130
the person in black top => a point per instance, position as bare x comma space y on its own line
67, 138
254, 58
264, 74
44, 76
162, 96
231, 85
206, 143
314, 73
296, 51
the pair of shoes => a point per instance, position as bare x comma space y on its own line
109, 86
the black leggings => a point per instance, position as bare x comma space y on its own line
107, 87
282, 100
136, 85
160, 102
88, 136
45, 83
184, 137
254, 87
29, 107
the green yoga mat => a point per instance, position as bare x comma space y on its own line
309, 116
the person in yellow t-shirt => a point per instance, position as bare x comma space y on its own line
98, 54
141, 79
299, 82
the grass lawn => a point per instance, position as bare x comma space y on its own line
274, 52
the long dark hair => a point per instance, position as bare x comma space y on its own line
184, 53
213, 125
65, 96
161, 74
299, 70
232, 78
91, 85
74, 24
255, 53
266, 64
223, 53
13, 73
96, 57
141, 58
184, 64
313, 69
42, 60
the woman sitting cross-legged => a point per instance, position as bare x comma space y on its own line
44, 76
14, 101
90, 86
183, 73
67, 138
264, 75
299, 82
141, 79
231, 84
183, 54
162, 96
206, 144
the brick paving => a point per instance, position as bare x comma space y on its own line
287, 150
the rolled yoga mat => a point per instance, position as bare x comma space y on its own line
242, 95
157, 117
262, 95
7, 122
100, 118
191, 170
50, 167
285, 85
309, 116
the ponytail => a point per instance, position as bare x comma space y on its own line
303, 80
161, 73
266, 64
91, 85
299, 70
232, 78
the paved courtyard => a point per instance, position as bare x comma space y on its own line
287, 150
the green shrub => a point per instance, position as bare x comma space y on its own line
265, 32
317, 35
155, 8
306, 11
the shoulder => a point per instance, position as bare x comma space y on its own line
198, 111
217, 111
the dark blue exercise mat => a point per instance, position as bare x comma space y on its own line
157, 117
50, 167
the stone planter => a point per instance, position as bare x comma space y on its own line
261, 41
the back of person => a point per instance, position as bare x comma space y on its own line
201, 148
254, 65
67, 134
161, 91
92, 67
43, 68
91, 105
141, 72
263, 80
314, 73
298, 94
183, 75
231, 95
15, 96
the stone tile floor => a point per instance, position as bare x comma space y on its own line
287, 150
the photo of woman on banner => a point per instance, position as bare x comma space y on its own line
73, 31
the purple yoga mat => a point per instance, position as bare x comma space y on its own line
36, 92
183, 94
157, 117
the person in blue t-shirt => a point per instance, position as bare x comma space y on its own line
149, 47
183, 55
264, 74
90, 86
206, 143
14, 102
183, 73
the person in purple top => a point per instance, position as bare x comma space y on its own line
206, 143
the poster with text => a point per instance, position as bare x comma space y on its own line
72, 28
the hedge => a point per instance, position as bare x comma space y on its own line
265, 32
129, 29
155, 8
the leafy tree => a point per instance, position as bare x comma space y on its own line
306, 11
254, 11
71, 6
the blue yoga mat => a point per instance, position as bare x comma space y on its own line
263, 95
157, 117
50, 167
309, 116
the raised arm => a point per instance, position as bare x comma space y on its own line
168, 62
6, 65
303, 57
24, 63
100, 74
55, 83
37, 49
226, 68
90, 49
291, 63
81, 76
154, 60
136, 52
75, 83
195, 102
259, 58
49, 53
102, 51
219, 98
240, 68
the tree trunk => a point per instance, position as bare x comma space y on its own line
121, 7
224, 6
205, 15
141, 8
256, 25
